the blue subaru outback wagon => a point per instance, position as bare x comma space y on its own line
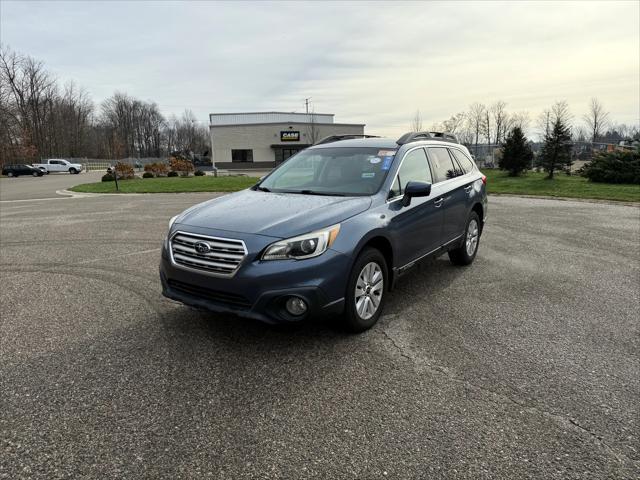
330, 231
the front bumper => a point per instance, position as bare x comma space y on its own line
259, 289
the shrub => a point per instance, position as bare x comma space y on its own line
147, 175
179, 165
198, 173
172, 174
614, 167
108, 178
124, 170
157, 168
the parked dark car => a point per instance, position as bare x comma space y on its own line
330, 231
17, 170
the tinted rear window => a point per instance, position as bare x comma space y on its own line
441, 164
463, 160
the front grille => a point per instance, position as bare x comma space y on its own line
223, 257
217, 296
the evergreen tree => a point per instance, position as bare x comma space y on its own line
516, 154
556, 151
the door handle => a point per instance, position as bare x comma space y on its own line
438, 203
468, 188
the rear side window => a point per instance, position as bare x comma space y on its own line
463, 160
442, 164
415, 167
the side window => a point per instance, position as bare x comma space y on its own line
414, 168
463, 160
442, 164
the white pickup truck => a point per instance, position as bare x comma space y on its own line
58, 165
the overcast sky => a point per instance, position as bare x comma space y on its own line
373, 63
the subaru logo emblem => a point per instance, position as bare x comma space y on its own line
202, 247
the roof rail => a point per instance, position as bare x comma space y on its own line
337, 138
417, 136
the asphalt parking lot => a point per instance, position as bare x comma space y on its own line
28, 188
524, 365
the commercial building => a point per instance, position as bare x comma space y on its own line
266, 139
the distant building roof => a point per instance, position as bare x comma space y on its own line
268, 117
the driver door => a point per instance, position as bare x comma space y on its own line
416, 229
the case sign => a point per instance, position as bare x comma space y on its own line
290, 136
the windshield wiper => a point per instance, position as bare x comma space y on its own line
313, 192
262, 189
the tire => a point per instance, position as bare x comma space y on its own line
466, 252
72, 171
361, 312
10, 174
35, 174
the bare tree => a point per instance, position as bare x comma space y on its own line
560, 113
596, 119
475, 119
454, 123
544, 123
518, 120
416, 122
499, 115
579, 135
486, 126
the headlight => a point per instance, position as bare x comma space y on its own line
305, 246
173, 219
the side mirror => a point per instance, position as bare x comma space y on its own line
415, 189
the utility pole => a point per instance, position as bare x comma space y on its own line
306, 104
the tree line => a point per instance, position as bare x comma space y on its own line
39, 118
491, 124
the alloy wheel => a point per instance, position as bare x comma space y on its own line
369, 290
472, 237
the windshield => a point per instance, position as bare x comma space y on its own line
332, 171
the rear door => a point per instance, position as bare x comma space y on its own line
450, 191
468, 168
417, 228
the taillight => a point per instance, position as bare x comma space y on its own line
484, 179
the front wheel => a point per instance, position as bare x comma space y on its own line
72, 171
35, 174
365, 291
466, 252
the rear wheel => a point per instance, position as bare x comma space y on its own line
365, 291
72, 170
10, 174
466, 252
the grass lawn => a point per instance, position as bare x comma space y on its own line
562, 185
170, 185
497, 182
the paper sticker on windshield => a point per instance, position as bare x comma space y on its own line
386, 153
387, 163
368, 174
374, 160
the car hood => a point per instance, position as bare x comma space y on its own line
278, 215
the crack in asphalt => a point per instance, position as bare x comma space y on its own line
571, 423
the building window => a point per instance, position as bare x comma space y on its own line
242, 155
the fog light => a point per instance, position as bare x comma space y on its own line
296, 306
